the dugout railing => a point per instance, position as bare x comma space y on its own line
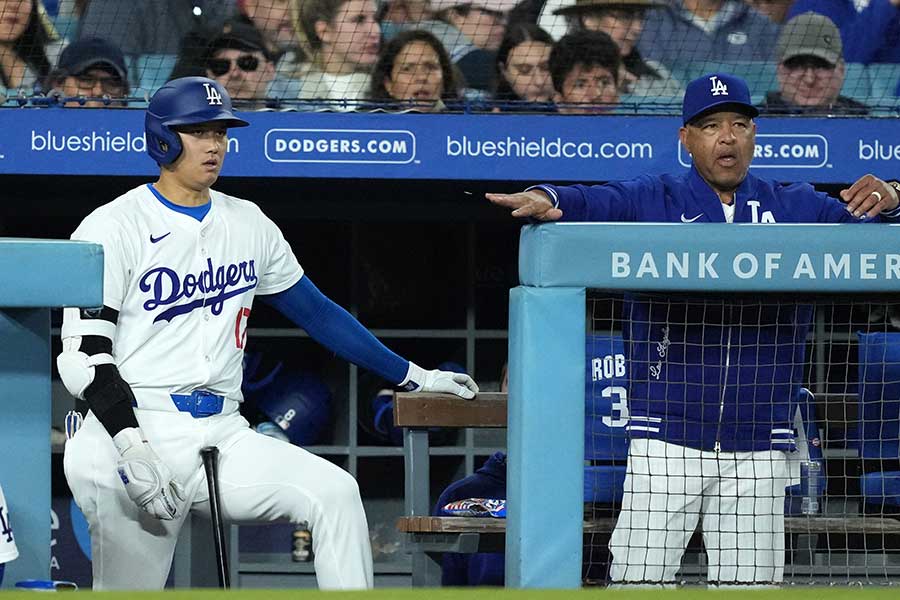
557, 264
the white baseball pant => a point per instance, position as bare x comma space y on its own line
261, 479
668, 488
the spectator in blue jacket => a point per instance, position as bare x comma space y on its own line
700, 448
871, 35
692, 31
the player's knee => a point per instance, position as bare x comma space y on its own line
341, 494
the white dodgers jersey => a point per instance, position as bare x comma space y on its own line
184, 289
8, 549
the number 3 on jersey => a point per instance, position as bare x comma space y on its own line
240, 327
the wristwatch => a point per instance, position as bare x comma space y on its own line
895, 185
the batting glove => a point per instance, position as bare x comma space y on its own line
147, 480
420, 380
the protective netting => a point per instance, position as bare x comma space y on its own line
567, 56
759, 436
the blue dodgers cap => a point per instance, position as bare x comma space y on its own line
714, 93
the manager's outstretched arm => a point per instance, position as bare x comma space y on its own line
88, 370
338, 330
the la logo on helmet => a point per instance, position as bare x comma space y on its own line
212, 95
718, 87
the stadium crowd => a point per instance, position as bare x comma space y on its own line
568, 56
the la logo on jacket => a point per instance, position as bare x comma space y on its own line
767, 216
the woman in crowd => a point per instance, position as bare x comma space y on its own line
623, 21
523, 71
29, 44
343, 38
414, 72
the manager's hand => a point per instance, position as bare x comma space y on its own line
533, 204
869, 196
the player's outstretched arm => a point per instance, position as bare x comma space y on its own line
88, 370
534, 204
338, 330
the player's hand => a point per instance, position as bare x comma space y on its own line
533, 203
448, 382
869, 196
147, 480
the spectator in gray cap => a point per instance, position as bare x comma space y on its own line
810, 69
91, 72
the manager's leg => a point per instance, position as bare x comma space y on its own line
743, 518
660, 510
264, 479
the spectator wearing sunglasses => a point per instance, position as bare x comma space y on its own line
236, 56
91, 72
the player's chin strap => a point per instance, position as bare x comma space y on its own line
419, 380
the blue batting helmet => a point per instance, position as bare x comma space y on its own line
184, 101
300, 404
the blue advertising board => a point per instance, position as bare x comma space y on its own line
527, 148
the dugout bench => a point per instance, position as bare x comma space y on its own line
428, 537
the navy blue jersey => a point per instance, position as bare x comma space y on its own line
710, 372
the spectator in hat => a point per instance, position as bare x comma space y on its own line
481, 22
236, 56
91, 72
870, 34
685, 32
810, 69
623, 21
584, 67
29, 44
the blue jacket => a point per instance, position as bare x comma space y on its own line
484, 568
869, 36
730, 383
671, 37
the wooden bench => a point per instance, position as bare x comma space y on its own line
416, 413
428, 537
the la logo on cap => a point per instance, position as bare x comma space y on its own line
718, 87
212, 95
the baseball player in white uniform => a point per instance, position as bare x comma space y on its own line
160, 364
8, 549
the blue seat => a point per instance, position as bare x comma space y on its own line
809, 449
884, 80
148, 72
856, 83
605, 415
879, 419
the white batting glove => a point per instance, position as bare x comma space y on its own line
147, 480
420, 380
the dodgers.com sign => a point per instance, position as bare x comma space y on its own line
498, 147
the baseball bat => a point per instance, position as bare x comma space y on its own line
210, 456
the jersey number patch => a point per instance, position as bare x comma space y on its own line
240, 327
5, 529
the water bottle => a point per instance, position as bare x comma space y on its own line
302, 544
810, 475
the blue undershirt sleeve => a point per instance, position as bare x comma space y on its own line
337, 330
